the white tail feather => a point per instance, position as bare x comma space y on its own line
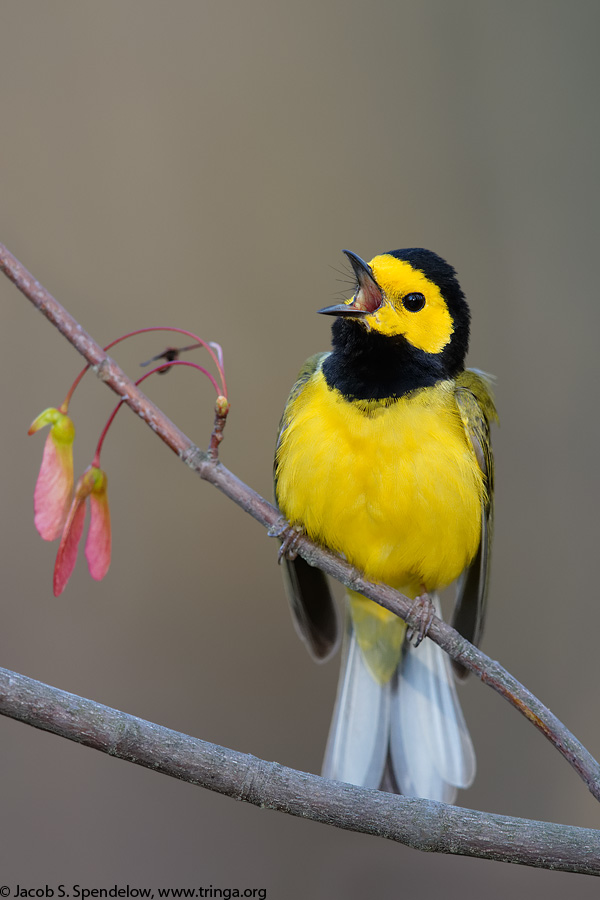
430, 746
416, 718
358, 736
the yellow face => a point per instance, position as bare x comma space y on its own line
412, 305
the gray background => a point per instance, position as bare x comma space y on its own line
202, 164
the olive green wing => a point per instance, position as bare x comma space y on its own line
477, 410
312, 605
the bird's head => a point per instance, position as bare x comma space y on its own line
410, 296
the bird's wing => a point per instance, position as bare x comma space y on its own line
476, 406
312, 605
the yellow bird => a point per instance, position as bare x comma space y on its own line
384, 457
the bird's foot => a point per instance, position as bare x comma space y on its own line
289, 536
422, 612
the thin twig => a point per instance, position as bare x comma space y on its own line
421, 824
221, 411
210, 469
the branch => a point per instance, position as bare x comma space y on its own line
260, 791
421, 824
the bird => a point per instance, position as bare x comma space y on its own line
384, 457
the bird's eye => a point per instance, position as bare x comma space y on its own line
413, 302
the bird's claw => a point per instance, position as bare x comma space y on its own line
289, 536
423, 612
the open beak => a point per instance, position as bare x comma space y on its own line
368, 297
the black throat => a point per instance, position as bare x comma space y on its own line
366, 365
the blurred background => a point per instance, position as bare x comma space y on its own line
201, 164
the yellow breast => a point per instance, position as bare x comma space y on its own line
394, 487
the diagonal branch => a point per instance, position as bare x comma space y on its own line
421, 824
210, 469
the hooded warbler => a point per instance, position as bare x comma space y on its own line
384, 457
